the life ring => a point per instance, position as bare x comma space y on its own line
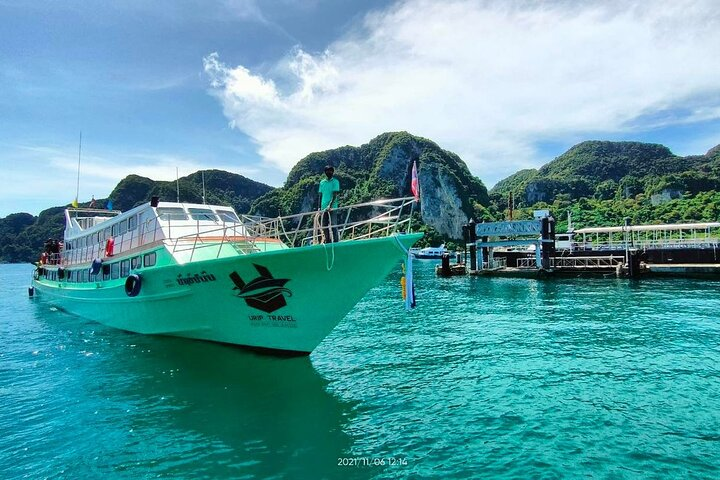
133, 284
109, 247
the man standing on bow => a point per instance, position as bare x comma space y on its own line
329, 191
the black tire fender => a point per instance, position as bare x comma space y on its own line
133, 284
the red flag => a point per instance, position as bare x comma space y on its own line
414, 183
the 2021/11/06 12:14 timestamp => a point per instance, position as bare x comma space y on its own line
370, 461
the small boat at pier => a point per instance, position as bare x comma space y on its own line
429, 252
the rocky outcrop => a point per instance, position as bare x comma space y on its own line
382, 168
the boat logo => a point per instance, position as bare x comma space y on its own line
265, 292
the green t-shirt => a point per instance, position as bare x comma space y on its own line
326, 190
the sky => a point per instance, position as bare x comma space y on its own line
252, 86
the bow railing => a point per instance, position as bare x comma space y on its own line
354, 222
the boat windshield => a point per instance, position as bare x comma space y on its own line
228, 216
171, 213
203, 214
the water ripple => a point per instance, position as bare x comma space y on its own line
487, 378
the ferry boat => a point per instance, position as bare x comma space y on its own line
203, 272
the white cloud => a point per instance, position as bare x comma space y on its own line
489, 80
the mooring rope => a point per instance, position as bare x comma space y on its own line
319, 235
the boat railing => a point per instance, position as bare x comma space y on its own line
495, 263
354, 222
594, 262
146, 233
256, 233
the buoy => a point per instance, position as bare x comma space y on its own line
109, 247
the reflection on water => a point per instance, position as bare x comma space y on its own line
102, 401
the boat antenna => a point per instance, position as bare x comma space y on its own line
77, 188
177, 183
203, 182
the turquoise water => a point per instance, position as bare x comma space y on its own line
487, 378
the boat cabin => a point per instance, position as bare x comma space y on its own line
92, 233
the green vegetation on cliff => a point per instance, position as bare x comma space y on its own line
23, 235
605, 170
602, 183
221, 187
382, 169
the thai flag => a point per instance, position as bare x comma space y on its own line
414, 183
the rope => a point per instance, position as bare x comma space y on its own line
319, 236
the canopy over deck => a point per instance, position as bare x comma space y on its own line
649, 228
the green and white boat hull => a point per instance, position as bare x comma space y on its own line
285, 299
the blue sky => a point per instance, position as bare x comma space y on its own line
253, 86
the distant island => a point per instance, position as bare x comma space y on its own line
599, 182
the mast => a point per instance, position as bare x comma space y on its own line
177, 183
203, 184
77, 188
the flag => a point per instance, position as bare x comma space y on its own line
414, 183
109, 204
74, 203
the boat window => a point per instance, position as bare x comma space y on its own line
202, 214
123, 227
171, 213
115, 269
149, 259
95, 237
132, 222
107, 234
85, 276
135, 263
114, 230
124, 268
228, 216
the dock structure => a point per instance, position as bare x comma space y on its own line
530, 248
697, 270
535, 237
534, 243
